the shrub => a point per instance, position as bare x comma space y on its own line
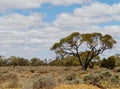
13, 81
28, 84
115, 80
108, 63
93, 78
106, 74
104, 79
71, 78
97, 78
47, 82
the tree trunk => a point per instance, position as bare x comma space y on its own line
13, 66
91, 65
86, 66
78, 56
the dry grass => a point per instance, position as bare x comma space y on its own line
19, 75
81, 86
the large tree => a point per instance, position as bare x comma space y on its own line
93, 43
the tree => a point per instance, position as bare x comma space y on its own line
36, 62
13, 60
3, 61
93, 43
83, 56
67, 61
22, 61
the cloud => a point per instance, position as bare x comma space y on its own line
95, 13
97, 9
19, 4
16, 21
67, 2
30, 36
26, 4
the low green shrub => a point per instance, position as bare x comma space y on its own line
108, 63
104, 79
71, 78
47, 82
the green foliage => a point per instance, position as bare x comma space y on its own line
68, 61
115, 79
102, 79
18, 61
108, 63
71, 78
117, 59
95, 44
47, 82
3, 61
36, 62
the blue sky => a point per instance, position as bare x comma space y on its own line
28, 28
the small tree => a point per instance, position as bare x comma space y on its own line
36, 62
95, 43
13, 61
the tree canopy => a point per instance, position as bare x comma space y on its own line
94, 44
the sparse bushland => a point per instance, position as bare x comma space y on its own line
69, 69
52, 77
18, 61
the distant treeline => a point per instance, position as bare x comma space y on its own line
109, 62
19, 61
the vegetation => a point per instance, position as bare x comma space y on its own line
52, 77
117, 59
94, 44
108, 63
18, 61
74, 53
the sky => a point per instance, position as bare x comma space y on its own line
29, 28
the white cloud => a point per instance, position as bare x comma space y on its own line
28, 36
67, 2
26, 4
19, 22
88, 15
97, 9
19, 4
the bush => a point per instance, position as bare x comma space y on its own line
108, 63
47, 82
71, 78
93, 78
115, 79
13, 81
28, 84
104, 79
68, 61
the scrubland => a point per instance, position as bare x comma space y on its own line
55, 77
